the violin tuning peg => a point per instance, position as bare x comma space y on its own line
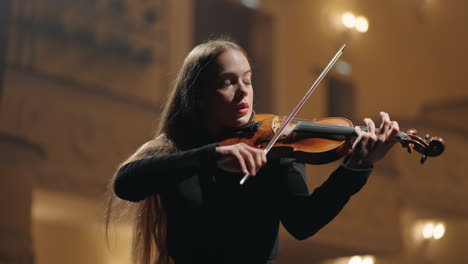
423, 159
427, 136
410, 148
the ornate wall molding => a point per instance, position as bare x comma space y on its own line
114, 45
86, 136
128, 29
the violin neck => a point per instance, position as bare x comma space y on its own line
331, 130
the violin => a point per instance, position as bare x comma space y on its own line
321, 141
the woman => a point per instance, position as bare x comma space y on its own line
192, 208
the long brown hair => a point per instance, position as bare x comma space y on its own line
178, 115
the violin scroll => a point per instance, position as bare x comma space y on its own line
427, 146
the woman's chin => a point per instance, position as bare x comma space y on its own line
237, 119
242, 119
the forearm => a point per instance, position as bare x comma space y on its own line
139, 179
305, 214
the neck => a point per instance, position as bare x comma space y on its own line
217, 132
332, 130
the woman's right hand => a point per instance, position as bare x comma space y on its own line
241, 157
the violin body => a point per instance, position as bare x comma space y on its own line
309, 148
319, 141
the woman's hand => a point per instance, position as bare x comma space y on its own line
241, 157
371, 146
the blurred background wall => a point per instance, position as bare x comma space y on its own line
82, 83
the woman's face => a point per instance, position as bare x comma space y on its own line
227, 98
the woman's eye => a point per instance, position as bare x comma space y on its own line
247, 82
227, 82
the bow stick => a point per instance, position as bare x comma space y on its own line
298, 106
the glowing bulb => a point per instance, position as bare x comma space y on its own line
362, 25
439, 231
368, 260
428, 231
349, 20
343, 67
355, 260
251, 3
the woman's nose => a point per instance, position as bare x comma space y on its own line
242, 88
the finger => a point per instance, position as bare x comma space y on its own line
358, 130
257, 156
359, 134
395, 128
365, 144
382, 134
386, 124
360, 150
252, 167
370, 137
250, 161
241, 161
395, 125
261, 158
370, 126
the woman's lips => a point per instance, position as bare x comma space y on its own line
242, 108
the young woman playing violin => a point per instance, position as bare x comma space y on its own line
192, 208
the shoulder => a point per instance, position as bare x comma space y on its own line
155, 147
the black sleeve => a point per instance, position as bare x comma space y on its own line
139, 179
304, 214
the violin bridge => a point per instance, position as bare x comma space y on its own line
276, 124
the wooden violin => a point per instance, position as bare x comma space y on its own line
321, 141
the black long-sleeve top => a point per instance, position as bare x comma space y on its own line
214, 219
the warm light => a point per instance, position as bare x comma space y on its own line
362, 25
428, 230
439, 231
431, 229
355, 260
349, 20
343, 67
368, 260
251, 3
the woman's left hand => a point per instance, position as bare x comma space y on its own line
371, 146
